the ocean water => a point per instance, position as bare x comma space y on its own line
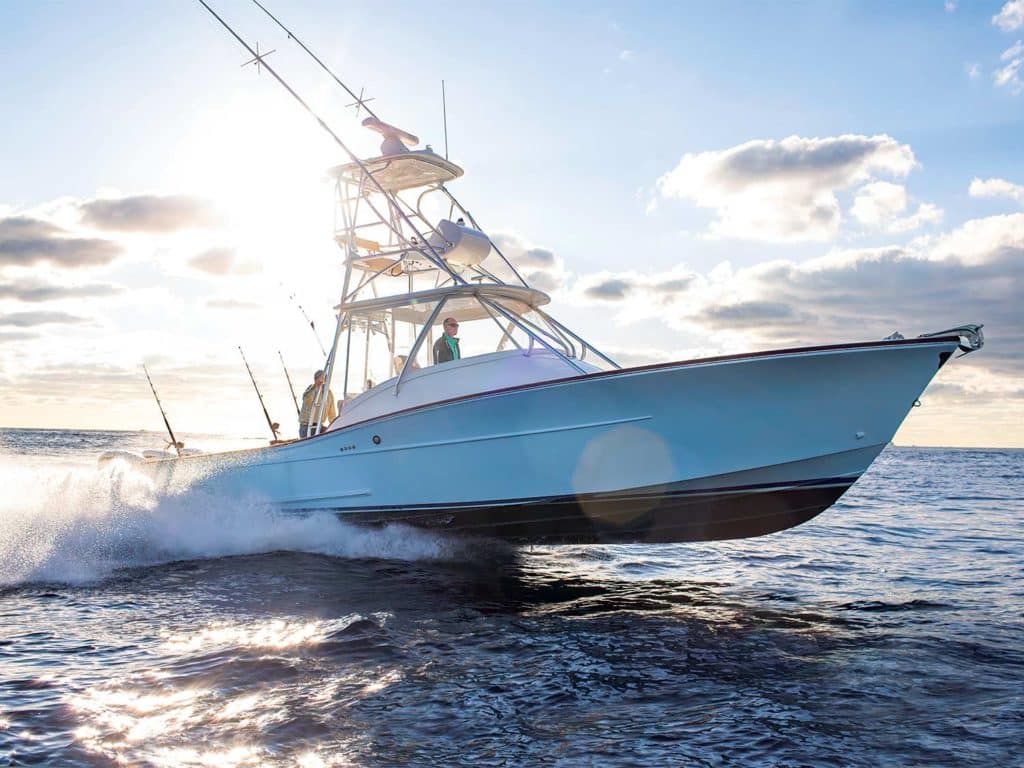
199, 631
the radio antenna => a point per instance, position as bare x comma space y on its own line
273, 426
444, 117
174, 440
359, 100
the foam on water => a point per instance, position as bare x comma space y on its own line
75, 524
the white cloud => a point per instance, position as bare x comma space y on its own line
31, 319
1014, 51
1009, 76
1010, 16
540, 267
148, 213
879, 202
626, 55
973, 70
26, 241
222, 261
783, 190
982, 241
927, 213
34, 290
996, 188
950, 6
974, 273
652, 291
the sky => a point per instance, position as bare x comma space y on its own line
685, 180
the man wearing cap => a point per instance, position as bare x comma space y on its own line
446, 348
309, 398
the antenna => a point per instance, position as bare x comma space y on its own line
359, 100
274, 427
298, 411
174, 441
444, 116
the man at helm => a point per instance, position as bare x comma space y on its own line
313, 393
446, 348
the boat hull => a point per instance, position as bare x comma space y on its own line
695, 451
655, 515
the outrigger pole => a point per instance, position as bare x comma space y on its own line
174, 440
273, 427
298, 410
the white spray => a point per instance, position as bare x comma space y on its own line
60, 524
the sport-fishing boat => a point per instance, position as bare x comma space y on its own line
531, 434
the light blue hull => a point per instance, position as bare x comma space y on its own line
761, 441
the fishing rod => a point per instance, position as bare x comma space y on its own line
312, 325
360, 101
294, 398
273, 425
174, 441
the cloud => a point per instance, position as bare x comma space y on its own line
222, 261
950, 6
979, 241
974, 273
878, 205
541, 268
783, 190
25, 241
878, 202
652, 291
996, 188
31, 319
8, 336
609, 289
537, 257
148, 213
33, 290
973, 70
754, 314
1008, 76
626, 55
1010, 16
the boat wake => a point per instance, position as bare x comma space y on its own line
75, 525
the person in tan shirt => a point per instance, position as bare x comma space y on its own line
309, 398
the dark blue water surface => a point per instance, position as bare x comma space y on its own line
201, 631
